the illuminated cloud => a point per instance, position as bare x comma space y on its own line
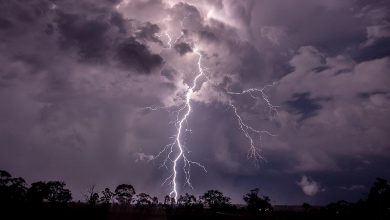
309, 186
77, 75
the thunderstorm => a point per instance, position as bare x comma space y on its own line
184, 112
176, 152
194, 109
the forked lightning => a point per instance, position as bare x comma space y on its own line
177, 153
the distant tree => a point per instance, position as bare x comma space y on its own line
38, 192
18, 189
57, 192
4, 176
124, 194
52, 191
143, 199
4, 185
341, 208
306, 206
215, 200
186, 200
379, 191
379, 196
107, 196
92, 197
256, 203
155, 201
167, 200
12, 189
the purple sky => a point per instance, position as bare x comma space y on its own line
76, 76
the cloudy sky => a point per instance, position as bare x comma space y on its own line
76, 79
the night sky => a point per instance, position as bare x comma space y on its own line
77, 76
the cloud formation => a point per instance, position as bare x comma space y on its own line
309, 186
76, 77
353, 187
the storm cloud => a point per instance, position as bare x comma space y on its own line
76, 77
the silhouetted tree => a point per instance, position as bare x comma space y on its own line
143, 199
167, 200
215, 200
4, 190
306, 206
4, 175
124, 194
341, 209
379, 197
155, 201
38, 192
186, 200
92, 197
52, 191
379, 192
107, 196
11, 189
58, 193
256, 203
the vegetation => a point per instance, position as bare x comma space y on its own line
256, 203
124, 194
51, 200
215, 200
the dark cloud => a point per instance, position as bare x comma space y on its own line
89, 36
305, 106
208, 35
251, 64
148, 32
320, 68
5, 24
377, 50
366, 95
182, 48
135, 55
76, 77
117, 20
169, 73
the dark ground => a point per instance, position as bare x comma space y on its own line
84, 211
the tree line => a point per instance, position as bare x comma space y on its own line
16, 191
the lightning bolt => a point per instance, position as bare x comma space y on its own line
182, 115
181, 155
248, 131
254, 151
169, 39
176, 151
